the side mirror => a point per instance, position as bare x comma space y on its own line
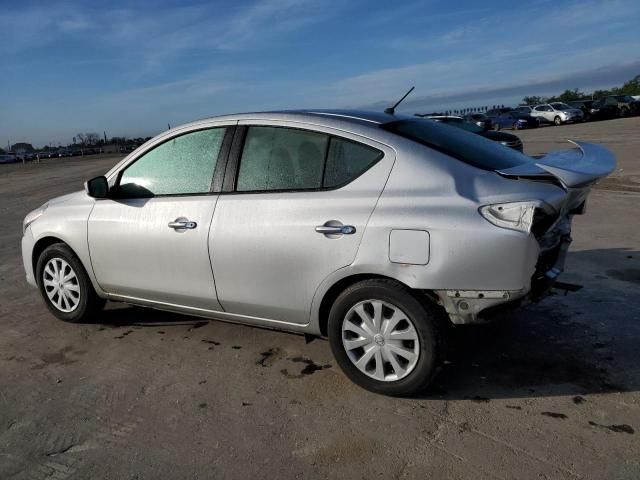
97, 187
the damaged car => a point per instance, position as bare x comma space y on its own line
374, 230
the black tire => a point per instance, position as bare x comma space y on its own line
429, 322
624, 112
89, 303
515, 126
557, 121
496, 127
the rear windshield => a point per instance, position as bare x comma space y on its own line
467, 147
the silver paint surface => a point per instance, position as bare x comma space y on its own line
256, 257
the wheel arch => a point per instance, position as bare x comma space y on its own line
46, 241
340, 285
41, 245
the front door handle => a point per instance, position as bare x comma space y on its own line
336, 229
182, 223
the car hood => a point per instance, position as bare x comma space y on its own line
67, 197
575, 168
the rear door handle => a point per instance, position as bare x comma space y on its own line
182, 223
336, 230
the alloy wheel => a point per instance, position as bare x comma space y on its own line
380, 340
61, 284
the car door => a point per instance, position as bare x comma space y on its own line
542, 112
295, 211
149, 240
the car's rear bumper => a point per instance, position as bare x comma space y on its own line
480, 306
549, 267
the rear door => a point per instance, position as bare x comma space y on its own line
295, 210
149, 240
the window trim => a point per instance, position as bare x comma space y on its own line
215, 185
233, 164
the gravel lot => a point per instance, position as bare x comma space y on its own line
552, 391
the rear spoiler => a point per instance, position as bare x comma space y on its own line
574, 168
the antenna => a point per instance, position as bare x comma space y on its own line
392, 110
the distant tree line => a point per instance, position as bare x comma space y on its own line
630, 87
91, 139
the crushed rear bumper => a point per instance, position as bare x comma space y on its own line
480, 306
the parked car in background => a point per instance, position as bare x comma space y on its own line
626, 105
594, 110
479, 119
495, 112
506, 139
8, 158
514, 120
557, 113
507, 117
524, 109
372, 229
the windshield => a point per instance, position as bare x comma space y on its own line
560, 106
467, 147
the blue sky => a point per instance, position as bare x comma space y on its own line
132, 67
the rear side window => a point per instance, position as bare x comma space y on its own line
467, 147
281, 159
182, 165
347, 160
277, 158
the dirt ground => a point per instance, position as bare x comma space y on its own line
551, 391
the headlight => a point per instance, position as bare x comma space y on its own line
514, 215
32, 216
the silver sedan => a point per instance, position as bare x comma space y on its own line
372, 229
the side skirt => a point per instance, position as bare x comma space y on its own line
216, 315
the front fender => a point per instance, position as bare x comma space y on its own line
66, 222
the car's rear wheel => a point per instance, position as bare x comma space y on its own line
557, 121
385, 338
65, 285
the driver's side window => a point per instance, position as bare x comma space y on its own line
182, 165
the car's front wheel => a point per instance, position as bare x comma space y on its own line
385, 338
65, 285
557, 121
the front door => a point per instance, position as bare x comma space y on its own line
149, 240
297, 213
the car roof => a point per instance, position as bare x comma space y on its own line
362, 117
